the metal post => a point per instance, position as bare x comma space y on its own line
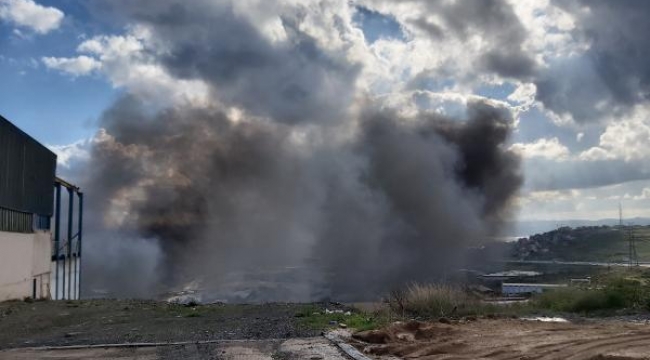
70, 210
80, 228
57, 238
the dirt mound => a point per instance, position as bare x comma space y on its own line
406, 332
507, 339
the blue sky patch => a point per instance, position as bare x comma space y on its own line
376, 25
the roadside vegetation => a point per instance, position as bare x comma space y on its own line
322, 318
618, 293
625, 291
442, 301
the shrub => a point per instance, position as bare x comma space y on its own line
616, 293
627, 292
434, 300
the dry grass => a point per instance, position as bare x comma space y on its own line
435, 300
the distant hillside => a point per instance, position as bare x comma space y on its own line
529, 227
586, 243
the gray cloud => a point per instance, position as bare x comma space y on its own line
613, 74
293, 80
542, 174
493, 20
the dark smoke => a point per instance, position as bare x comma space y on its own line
310, 193
398, 200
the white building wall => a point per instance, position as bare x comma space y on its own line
23, 259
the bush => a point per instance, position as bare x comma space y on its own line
616, 293
435, 300
628, 292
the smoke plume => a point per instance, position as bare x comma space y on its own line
305, 192
395, 201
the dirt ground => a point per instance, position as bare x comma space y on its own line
508, 339
57, 323
273, 332
292, 349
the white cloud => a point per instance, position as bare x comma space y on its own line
80, 65
28, 14
592, 203
524, 94
128, 62
627, 139
550, 149
645, 195
70, 153
549, 30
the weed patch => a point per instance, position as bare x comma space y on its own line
313, 317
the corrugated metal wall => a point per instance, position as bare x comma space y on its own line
16, 221
27, 171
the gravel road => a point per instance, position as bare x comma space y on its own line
292, 349
56, 323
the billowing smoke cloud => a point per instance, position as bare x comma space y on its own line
305, 192
399, 200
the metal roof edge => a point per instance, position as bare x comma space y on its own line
2, 118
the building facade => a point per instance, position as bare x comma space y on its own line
515, 289
33, 252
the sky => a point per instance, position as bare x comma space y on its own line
578, 91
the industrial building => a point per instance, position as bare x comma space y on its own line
515, 289
38, 259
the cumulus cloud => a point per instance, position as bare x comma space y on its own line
543, 148
607, 76
69, 154
127, 62
81, 65
488, 33
29, 14
645, 195
627, 139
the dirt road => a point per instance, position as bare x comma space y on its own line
509, 339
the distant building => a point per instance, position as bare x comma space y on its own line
510, 275
31, 253
514, 289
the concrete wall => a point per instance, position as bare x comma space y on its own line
23, 259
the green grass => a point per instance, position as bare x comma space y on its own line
627, 289
314, 317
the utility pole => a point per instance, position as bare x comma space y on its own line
634, 260
620, 216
